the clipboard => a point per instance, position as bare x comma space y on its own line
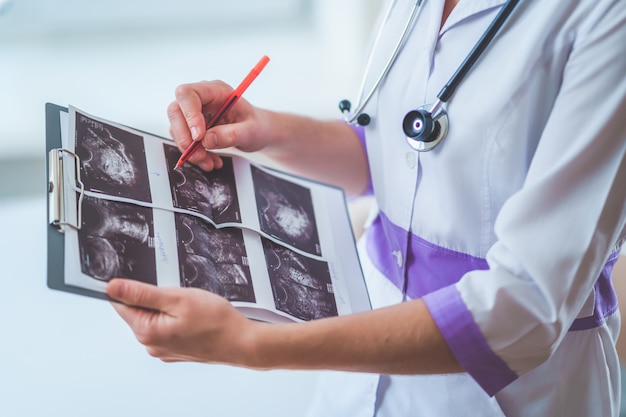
262, 252
56, 214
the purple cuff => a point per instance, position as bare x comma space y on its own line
431, 272
360, 132
466, 341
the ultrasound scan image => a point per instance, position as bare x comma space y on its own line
116, 240
213, 194
301, 286
112, 160
213, 259
286, 211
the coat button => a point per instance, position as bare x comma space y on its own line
398, 255
410, 159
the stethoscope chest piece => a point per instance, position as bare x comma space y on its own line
426, 126
423, 131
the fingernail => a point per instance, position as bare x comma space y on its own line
195, 133
115, 289
212, 137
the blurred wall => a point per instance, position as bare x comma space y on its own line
64, 355
122, 59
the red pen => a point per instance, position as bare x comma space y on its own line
228, 104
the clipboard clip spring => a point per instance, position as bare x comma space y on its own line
56, 190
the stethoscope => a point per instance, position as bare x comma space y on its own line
426, 126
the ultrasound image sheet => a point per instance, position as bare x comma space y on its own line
257, 236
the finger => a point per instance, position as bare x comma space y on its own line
164, 354
242, 135
210, 161
206, 160
147, 325
133, 316
193, 99
190, 105
171, 360
179, 130
222, 136
138, 294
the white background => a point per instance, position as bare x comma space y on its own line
66, 355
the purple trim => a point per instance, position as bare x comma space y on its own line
435, 266
467, 341
383, 241
606, 300
360, 132
432, 272
438, 267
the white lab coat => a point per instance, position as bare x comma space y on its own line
512, 223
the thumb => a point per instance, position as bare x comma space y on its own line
238, 135
138, 294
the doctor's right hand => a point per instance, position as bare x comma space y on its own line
243, 127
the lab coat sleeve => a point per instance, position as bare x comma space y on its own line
360, 132
557, 233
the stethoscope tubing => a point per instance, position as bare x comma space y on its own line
392, 58
450, 87
476, 52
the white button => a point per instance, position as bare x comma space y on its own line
410, 159
398, 256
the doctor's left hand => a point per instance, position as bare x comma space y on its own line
183, 324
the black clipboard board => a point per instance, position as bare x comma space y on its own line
66, 222
56, 237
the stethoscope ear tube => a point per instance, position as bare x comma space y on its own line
362, 119
358, 116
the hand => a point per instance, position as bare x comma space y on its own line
195, 104
189, 324
183, 324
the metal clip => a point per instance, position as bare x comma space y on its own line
56, 190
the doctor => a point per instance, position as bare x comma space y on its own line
488, 258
